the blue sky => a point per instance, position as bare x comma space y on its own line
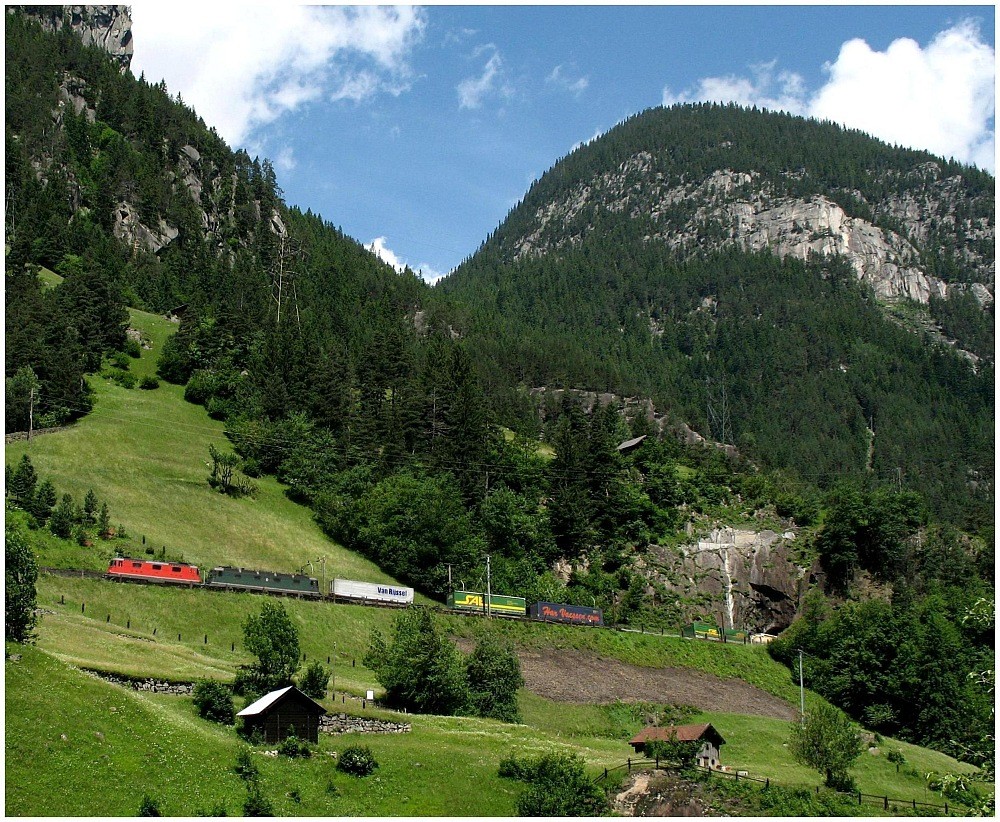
416, 129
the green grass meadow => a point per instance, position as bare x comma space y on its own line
104, 746
145, 452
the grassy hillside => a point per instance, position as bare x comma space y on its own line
120, 744
146, 454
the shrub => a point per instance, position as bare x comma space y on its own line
119, 360
149, 806
133, 348
293, 747
522, 769
560, 787
357, 760
256, 804
245, 768
148, 383
126, 379
314, 679
214, 701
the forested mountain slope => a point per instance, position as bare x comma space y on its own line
770, 281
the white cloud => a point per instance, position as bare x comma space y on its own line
784, 91
285, 161
387, 255
558, 79
940, 98
243, 70
472, 91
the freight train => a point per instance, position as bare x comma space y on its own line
226, 577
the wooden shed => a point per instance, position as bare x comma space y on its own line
708, 754
281, 713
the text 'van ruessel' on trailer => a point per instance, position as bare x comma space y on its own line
381, 593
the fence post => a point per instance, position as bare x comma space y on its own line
767, 783
914, 804
108, 618
945, 808
128, 623
737, 775
885, 805
83, 607
232, 646
206, 639
630, 764
62, 599
657, 763
605, 773
859, 797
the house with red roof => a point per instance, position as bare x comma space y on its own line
708, 754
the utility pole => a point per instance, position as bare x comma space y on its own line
31, 411
802, 693
449, 577
487, 586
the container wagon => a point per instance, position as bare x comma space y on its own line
144, 570
473, 602
349, 590
268, 582
569, 614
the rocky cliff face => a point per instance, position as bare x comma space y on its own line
109, 27
729, 208
743, 578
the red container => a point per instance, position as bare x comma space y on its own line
151, 571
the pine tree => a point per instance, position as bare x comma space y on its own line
62, 519
23, 482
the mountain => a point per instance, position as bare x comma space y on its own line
820, 300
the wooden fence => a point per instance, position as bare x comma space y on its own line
887, 802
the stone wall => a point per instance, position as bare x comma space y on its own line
157, 686
347, 724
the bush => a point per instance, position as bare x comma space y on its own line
245, 768
149, 806
148, 383
314, 680
292, 746
214, 701
560, 787
133, 348
119, 360
522, 769
256, 804
357, 760
126, 379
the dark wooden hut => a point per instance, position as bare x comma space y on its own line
281, 713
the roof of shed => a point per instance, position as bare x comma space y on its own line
266, 701
630, 444
680, 733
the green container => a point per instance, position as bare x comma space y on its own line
499, 603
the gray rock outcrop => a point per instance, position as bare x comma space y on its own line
745, 210
745, 578
109, 27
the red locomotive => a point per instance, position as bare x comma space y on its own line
152, 571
